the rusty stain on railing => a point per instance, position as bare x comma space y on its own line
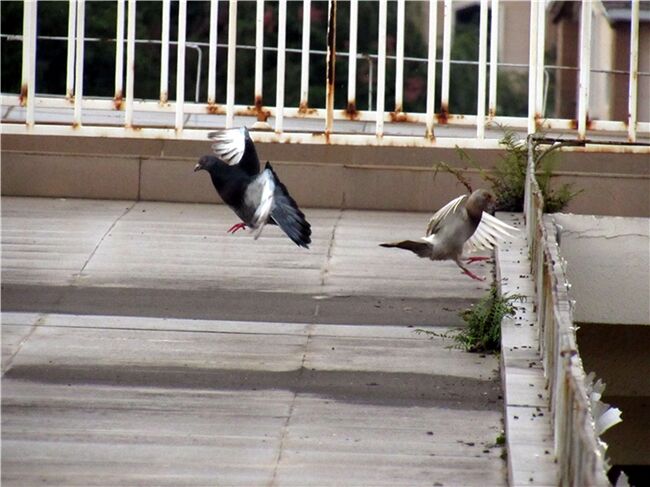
331, 66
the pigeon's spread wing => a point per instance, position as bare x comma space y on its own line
234, 146
287, 215
439, 216
488, 232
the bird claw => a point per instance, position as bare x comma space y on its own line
473, 276
471, 260
236, 227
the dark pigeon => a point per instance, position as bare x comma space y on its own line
256, 197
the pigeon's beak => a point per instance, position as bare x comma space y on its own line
198, 167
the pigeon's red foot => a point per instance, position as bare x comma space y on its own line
471, 260
473, 276
236, 226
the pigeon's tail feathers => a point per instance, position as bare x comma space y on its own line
421, 249
287, 215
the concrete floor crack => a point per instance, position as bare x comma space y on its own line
330, 248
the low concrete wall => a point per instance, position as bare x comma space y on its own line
388, 178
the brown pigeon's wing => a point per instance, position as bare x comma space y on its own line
488, 233
422, 249
453, 207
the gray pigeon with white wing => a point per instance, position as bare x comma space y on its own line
256, 197
460, 227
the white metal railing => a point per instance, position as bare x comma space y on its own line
423, 126
578, 449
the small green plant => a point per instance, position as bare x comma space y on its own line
483, 330
508, 178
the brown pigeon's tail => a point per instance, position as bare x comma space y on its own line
421, 249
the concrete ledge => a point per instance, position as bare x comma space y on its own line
324, 176
529, 433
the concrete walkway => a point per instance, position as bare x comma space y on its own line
142, 345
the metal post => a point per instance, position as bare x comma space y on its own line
304, 70
482, 70
69, 79
164, 53
331, 66
130, 64
79, 63
212, 55
431, 67
119, 54
532, 69
352, 58
232, 55
585, 67
28, 90
279, 83
446, 57
259, 52
634, 72
541, 41
494, 55
399, 61
381, 67
180, 63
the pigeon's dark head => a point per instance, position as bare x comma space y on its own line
208, 163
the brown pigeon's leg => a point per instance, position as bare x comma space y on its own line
471, 260
235, 227
468, 272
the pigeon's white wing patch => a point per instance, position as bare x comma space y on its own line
229, 144
488, 233
442, 213
263, 211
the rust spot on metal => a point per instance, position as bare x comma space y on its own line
212, 108
492, 113
117, 100
443, 116
590, 122
164, 97
261, 114
400, 116
23, 95
331, 65
574, 123
305, 109
351, 111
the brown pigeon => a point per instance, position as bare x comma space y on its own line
460, 227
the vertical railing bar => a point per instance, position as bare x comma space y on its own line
130, 63
399, 58
381, 67
119, 54
431, 67
279, 83
212, 55
27, 58
31, 12
164, 53
259, 52
79, 63
541, 42
69, 79
585, 67
330, 69
482, 70
232, 56
446, 56
180, 63
494, 59
304, 70
634, 73
352, 57
532, 70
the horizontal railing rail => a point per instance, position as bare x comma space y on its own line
419, 126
